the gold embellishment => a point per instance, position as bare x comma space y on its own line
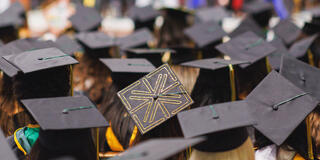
309, 139
98, 144
71, 80
33, 126
269, 68
232, 83
310, 57
17, 142
133, 135
153, 98
112, 141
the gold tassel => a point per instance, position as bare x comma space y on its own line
98, 144
310, 57
232, 83
269, 68
310, 149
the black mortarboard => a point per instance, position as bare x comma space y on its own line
5, 151
248, 24
68, 45
217, 121
260, 11
311, 28
287, 31
183, 54
138, 39
275, 57
300, 48
212, 63
143, 16
157, 149
177, 12
85, 19
64, 113
302, 75
278, 107
205, 34
34, 60
153, 55
126, 71
155, 98
214, 118
96, 43
217, 14
246, 47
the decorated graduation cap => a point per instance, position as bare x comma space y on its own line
260, 10
287, 31
6, 152
157, 149
65, 122
85, 19
154, 55
126, 71
301, 74
206, 33
247, 24
68, 45
246, 47
274, 103
275, 57
183, 54
302, 49
216, 13
155, 98
34, 60
224, 125
96, 43
143, 16
138, 39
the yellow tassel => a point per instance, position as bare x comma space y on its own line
269, 68
89, 3
310, 149
232, 83
310, 57
199, 55
71, 80
98, 144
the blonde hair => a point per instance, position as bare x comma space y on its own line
244, 152
187, 75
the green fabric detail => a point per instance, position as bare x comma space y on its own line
27, 137
31, 134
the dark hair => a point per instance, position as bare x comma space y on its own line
54, 144
212, 87
53, 82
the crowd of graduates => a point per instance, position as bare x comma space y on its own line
159, 79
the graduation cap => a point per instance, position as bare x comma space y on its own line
301, 48
143, 16
180, 13
302, 75
247, 24
217, 121
96, 43
34, 60
126, 71
65, 123
64, 113
216, 13
287, 31
275, 57
205, 34
68, 45
6, 152
157, 149
138, 39
154, 55
85, 19
212, 63
260, 11
155, 98
276, 103
246, 47
183, 54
